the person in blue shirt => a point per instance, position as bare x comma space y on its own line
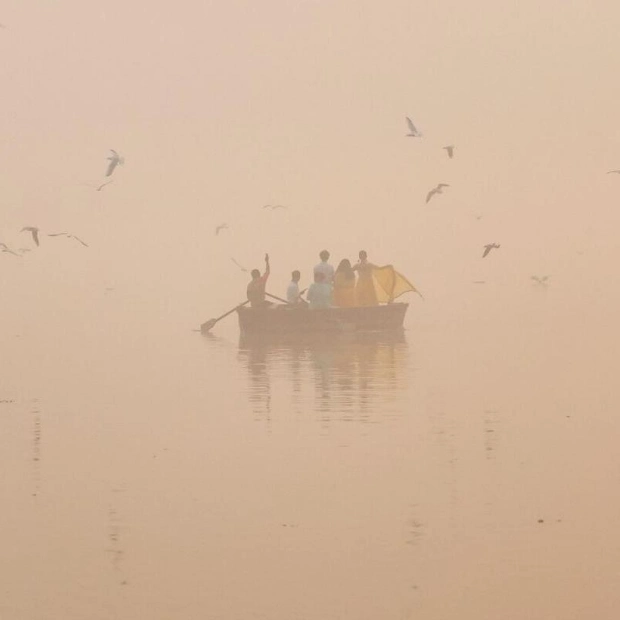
320, 292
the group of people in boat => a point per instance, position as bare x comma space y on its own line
346, 286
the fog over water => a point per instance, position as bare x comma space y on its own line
465, 470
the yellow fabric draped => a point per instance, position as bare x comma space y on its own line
389, 284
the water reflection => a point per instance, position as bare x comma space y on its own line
349, 378
115, 529
36, 449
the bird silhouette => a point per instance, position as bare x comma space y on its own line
614, 172
69, 236
488, 247
436, 190
542, 280
5, 248
220, 227
450, 150
274, 207
115, 160
34, 231
413, 132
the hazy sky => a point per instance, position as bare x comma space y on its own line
221, 107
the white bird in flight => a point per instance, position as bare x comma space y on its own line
413, 132
450, 150
115, 160
436, 190
274, 207
488, 247
69, 236
220, 227
34, 231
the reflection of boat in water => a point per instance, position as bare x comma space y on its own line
292, 321
355, 376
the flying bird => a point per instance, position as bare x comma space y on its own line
5, 248
274, 207
436, 190
64, 234
220, 227
413, 132
614, 172
450, 150
488, 247
115, 160
238, 265
34, 231
540, 280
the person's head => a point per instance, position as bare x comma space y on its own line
319, 277
344, 265
255, 273
363, 255
295, 276
324, 255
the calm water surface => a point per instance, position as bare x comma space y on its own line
466, 470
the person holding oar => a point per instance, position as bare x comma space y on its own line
255, 296
293, 295
256, 286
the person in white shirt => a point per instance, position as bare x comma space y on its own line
292, 292
325, 268
319, 293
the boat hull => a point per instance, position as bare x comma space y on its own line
291, 320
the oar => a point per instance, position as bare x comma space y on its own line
284, 300
276, 298
206, 326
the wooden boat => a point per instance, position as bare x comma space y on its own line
286, 320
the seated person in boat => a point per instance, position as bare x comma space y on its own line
344, 285
292, 292
256, 286
320, 292
365, 293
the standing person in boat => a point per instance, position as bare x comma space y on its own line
344, 285
292, 292
365, 294
320, 292
256, 286
325, 268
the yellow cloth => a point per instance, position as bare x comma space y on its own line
389, 284
344, 290
365, 288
